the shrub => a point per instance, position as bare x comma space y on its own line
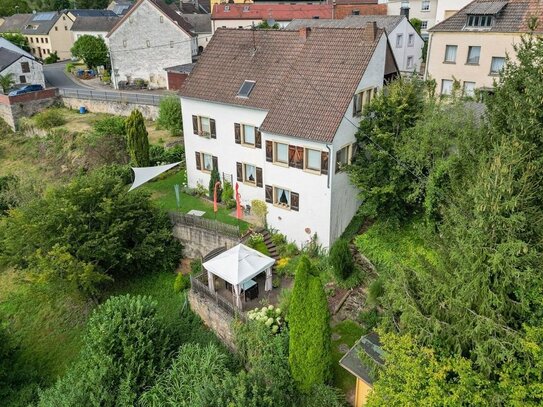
137, 139
369, 319
110, 125
260, 209
49, 118
69, 67
181, 283
270, 316
324, 396
215, 177
169, 115
284, 300
122, 172
228, 192
159, 155
196, 267
341, 259
278, 239
51, 58
375, 291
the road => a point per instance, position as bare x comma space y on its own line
55, 76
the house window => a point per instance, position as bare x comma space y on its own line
281, 197
204, 126
249, 173
31, 40
479, 21
399, 40
42, 40
248, 134
409, 62
361, 99
22, 79
207, 162
356, 12
56, 28
446, 86
473, 55
280, 153
424, 25
469, 89
171, 44
65, 28
497, 65
47, 40
124, 43
25, 67
450, 53
148, 43
425, 5
343, 157
312, 160
411, 40
161, 19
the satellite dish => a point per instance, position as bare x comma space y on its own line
271, 22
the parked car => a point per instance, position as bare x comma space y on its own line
25, 89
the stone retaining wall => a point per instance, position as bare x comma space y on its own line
197, 242
13, 108
112, 107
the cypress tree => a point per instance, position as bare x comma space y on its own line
137, 139
309, 343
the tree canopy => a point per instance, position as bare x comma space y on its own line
91, 49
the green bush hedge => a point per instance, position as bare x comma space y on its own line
49, 118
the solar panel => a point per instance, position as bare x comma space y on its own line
44, 16
246, 89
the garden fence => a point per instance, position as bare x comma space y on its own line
207, 224
123, 97
200, 287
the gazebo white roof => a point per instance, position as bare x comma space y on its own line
238, 264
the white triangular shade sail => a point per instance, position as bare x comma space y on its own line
144, 174
238, 264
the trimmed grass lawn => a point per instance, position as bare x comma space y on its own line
163, 193
349, 332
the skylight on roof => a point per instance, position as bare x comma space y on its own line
43, 16
246, 89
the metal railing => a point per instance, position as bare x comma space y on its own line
200, 287
122, 97
207, 224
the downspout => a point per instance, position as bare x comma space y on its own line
329, 165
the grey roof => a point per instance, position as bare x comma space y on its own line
9, 45
185, 68
371, 346
96, 24
120, 7
512, 17
14, 23
8, 57
40, 23
389, 23
92, 13
201, 23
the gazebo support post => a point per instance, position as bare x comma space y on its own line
269, 283
237, 296
211, 281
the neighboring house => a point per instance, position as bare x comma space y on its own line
177, 75
280, 120
147, 39
120, 7
95, 26
201, 27
446, 8
14, 23
76, 13
424, 10
23, 66
404, 40
46, 32
472, 45
249, 14
361, 361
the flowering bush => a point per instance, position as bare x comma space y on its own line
269, 316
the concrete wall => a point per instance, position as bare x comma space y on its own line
213, 317
446, 8
12, 108
111, 107
35, 76
198, 242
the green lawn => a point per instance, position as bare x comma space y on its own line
164, 194
349, 333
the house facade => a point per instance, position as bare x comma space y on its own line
95, 26
424, 10
472, 45
405, 41
147, 39
276, 128
447, 8
24, 68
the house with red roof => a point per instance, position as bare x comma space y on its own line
280, 118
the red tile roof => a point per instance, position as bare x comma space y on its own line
278, 12
305, 83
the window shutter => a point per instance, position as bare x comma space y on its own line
295, 201
324, 162
269, 194
215, 163
237, 133
259, 177
269, 151
239, 172
195, 124
212, 127
291, 156
300, 157
198, 161
258, 138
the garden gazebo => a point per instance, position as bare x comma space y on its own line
238, 266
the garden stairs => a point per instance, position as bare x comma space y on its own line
272, 249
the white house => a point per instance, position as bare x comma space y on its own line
24, 67
276, 111
147, 39
405, 42
95, 26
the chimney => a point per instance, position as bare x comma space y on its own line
370, 33
304, 32
404, 9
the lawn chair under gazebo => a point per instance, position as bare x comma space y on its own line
238, 266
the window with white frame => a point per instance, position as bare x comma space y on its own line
411, 40
249, 173
497, 65
469, 89
205, 125
410, 62
474, 53
399, 40
281, 197
479, 21
280, 153
424, 25
446, 86
450, 53
248, 134
312, 160
425, 5
207, 162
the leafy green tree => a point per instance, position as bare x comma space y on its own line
6, 82
17, 39
308, 318
92, 50
51, 58
416, 23
137, 139
125, 348
98, 222
169, 115
341, 259
10, 7
264, 25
